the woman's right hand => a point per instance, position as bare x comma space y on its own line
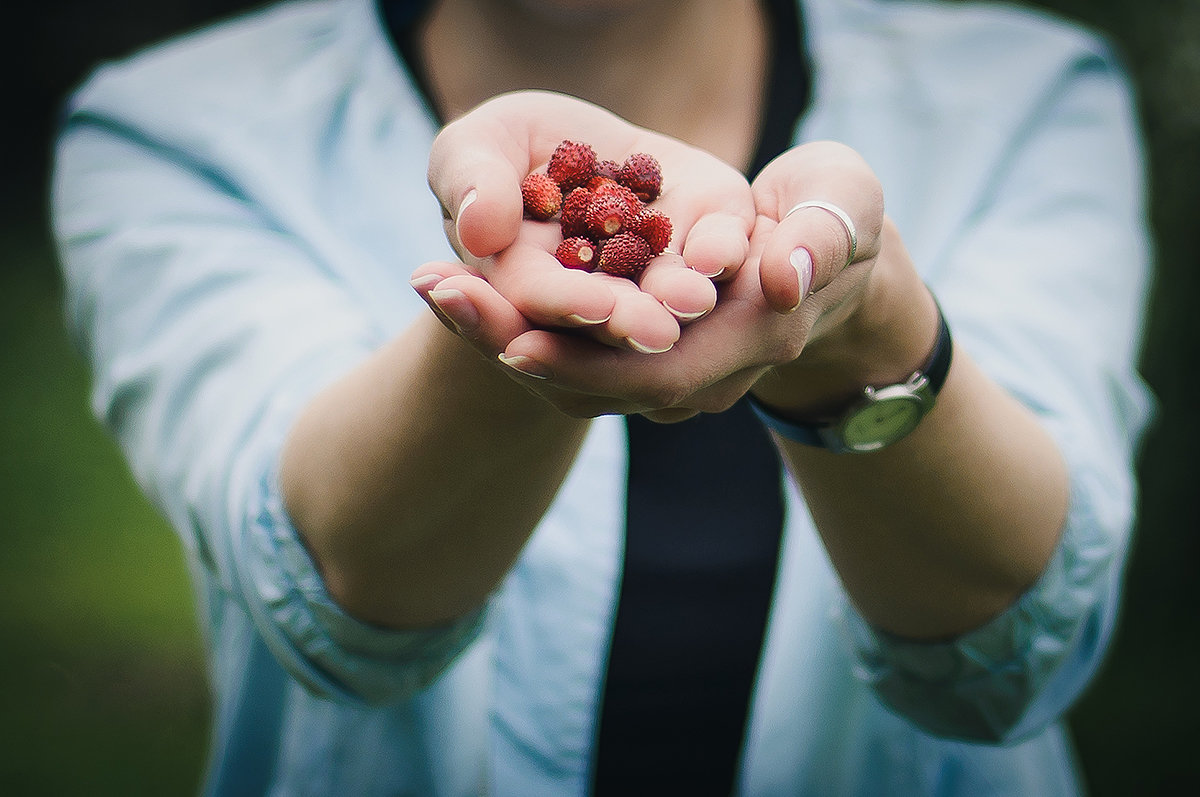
476, 167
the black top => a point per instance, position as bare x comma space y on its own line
704, 517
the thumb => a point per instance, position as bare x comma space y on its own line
827, 209
479, 191
810, 246
478, 161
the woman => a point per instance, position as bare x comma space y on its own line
431, 572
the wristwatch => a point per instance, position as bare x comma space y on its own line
881, 415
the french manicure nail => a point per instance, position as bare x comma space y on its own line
682, 316
455, 306
471, 196
801, 260
425, 282
644, 349
526, 365
711, 276
587, 322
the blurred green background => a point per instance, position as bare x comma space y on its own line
101, 669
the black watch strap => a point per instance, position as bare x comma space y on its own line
935, 371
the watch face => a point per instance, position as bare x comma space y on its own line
882, 421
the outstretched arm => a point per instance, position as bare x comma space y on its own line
941, 531
932, 536
400, 476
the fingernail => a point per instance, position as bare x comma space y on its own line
455, 306
587, 322
425, 282
526, 365
682, 316
801, 260
644, 349
711, 276
471, 196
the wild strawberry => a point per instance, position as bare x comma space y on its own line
541, 195
574, 212
654, 227
624, 255
633, 205
577, 252
643, 175
609, 169
571, 164
599, 181
606, 216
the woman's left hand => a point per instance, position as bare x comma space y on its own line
762, 323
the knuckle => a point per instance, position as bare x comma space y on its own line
661, 396
783, 349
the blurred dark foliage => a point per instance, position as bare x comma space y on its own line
1137, 726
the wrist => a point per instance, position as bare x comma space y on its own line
882, 414
882, 338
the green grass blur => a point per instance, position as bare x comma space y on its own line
101, 668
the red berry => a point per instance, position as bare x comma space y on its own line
624, 255
577, 252
541, 195
632, 203
574, 213
601, 207
599, 181
643, 175
609, 169
654, 227
572, 164
606, 216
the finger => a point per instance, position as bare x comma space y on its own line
641, 322
686, 293
543, 290
805, 251
829, 207
469, 307
476, 179
716, 246
701, 358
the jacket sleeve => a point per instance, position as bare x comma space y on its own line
1045, 286
208, 325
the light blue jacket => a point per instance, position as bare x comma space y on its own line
239, 212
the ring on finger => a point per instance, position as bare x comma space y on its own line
841, 215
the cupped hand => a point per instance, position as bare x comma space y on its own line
476, 167
802, 284
770, 308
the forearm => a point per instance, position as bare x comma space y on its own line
416, 479
942, 530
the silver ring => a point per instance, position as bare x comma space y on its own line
841, 216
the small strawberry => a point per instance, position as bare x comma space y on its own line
624, 255
599, 181
541, 195
609, 169
654, 227
577, 252
574, 212
606, 216
643, 175
572, 164
633, 205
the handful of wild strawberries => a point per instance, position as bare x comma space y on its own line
602, 207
